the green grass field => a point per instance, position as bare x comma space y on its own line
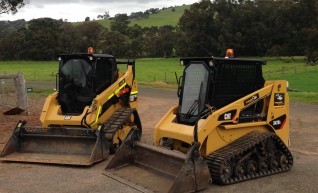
32, 70
160, 72
302, 78
148, 70
163, 17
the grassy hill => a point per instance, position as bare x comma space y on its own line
163, 17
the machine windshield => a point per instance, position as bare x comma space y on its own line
76, 86
75, 71
195, 75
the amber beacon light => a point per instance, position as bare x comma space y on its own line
90, 50
229, 53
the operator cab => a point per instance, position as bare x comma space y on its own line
216, 82
81, 78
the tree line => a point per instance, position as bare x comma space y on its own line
251, 28
134, 15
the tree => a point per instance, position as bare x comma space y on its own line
115, 43
135, 31
120, 23
7, 27
87, 19
198, 28
137, 47
41, 39
7, 6
253, 28
152, 11
69, 39
105, 16
89, 35
138, 15
166, 41
11, 46
311, 44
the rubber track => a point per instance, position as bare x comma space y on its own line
241, 147
116, 122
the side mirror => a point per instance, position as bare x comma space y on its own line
57, 78
179, 91
179, 84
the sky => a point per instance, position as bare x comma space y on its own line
78, 10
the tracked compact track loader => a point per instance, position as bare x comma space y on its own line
230, 126
86, 119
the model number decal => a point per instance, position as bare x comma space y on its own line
279, 122
251, 99
279, 99
230, 115
133, 97
122, 82
67, 117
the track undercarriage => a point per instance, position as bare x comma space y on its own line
252, 156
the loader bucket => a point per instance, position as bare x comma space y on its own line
156, 169
70, 146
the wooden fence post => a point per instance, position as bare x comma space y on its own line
19, 82
21, 92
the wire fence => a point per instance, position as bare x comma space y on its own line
290, 69
8, 93
268, 72
166, 77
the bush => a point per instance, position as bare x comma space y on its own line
311, 57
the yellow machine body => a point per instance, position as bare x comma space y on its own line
214, 134
83, 128
230, 126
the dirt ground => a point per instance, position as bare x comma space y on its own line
153, 103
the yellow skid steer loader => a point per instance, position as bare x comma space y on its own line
230, 126
87, 118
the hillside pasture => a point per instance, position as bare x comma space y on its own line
163, 17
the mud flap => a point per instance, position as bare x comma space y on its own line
157, 169
70, 146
